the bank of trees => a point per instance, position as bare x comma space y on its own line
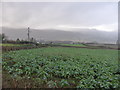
4, 39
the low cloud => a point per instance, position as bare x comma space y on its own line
101, 16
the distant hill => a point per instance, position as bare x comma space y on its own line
83, 35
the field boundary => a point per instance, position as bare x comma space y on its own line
14, 48
89, 47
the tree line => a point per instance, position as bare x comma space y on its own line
4, 39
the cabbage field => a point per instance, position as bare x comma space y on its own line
64, 67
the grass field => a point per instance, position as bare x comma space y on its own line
64, 67
12, 44
81, 45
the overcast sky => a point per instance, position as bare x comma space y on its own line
62, 16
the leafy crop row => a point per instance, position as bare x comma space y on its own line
65, 67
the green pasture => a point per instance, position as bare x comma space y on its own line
5, 44
81, 45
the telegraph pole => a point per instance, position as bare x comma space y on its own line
28, 34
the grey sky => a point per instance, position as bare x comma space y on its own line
58, 15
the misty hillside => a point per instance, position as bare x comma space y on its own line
86, 35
